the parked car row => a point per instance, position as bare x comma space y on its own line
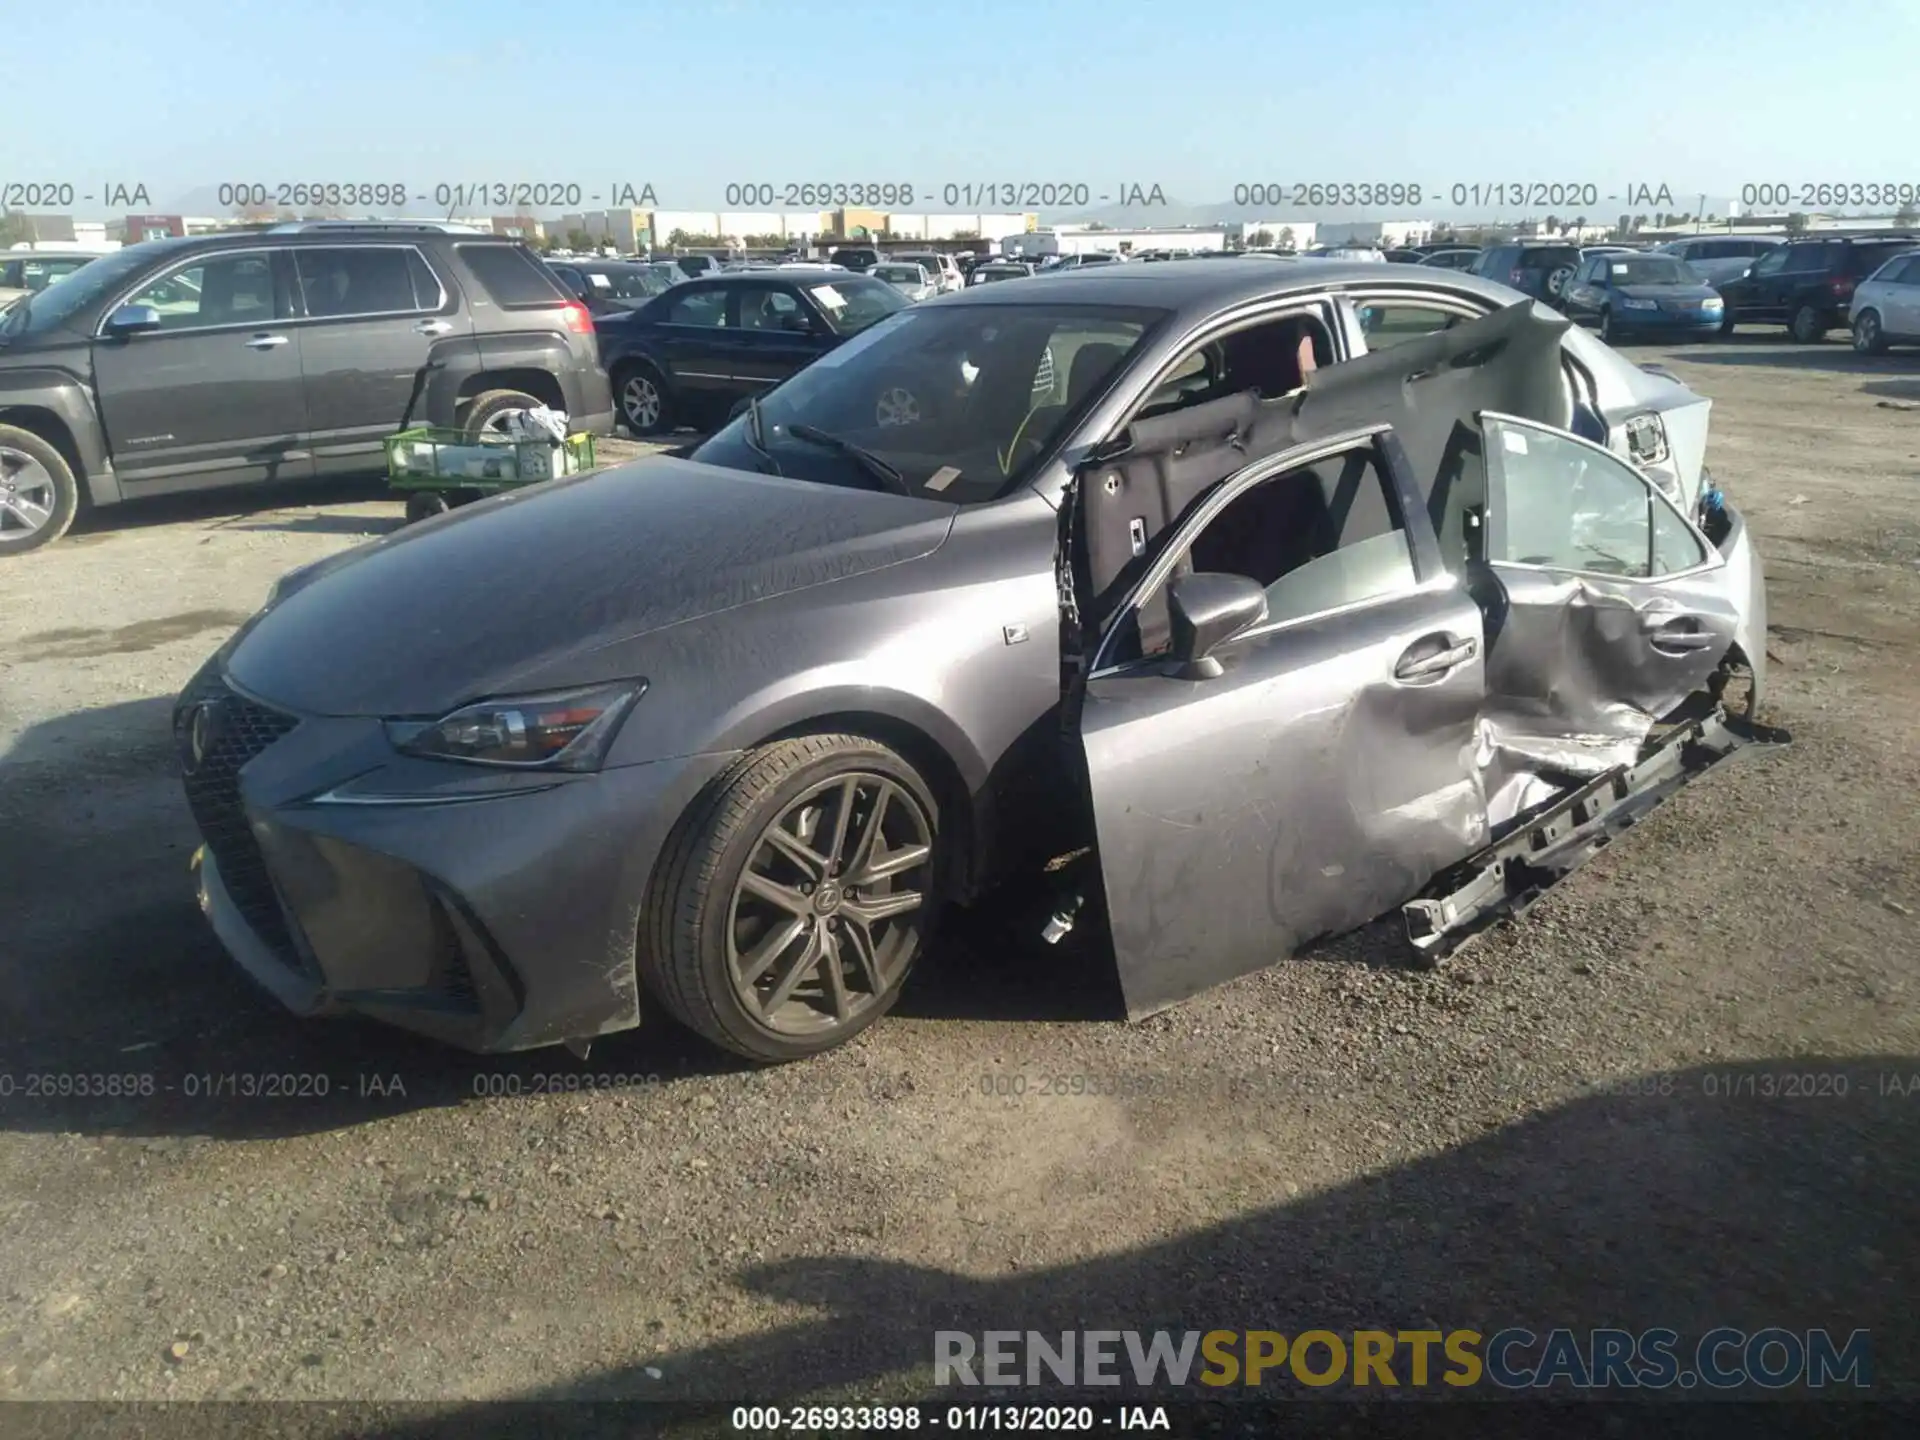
27, 272
243, 358
689, 356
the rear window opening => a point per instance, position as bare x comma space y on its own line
513, 278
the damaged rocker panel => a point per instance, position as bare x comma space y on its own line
1505, 879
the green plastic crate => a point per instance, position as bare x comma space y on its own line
426, 458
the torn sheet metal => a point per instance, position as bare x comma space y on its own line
1508, 877
1575, 680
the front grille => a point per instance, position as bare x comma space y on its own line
234, 732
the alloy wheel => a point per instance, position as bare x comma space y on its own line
1866, 333
830, 908
27, 496
640, 399
896, 406
500, 426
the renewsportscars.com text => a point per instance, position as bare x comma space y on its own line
1514, 1359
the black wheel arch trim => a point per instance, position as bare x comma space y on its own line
59, 408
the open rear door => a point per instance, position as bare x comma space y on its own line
1610, 609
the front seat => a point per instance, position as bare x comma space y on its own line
1093, 365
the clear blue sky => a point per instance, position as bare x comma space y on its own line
1699, 94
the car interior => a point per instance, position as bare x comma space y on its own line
1431, 390
220, 292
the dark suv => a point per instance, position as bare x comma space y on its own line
1808, 284
185, 364
1539, 269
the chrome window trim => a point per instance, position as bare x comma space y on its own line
438, 308
156, 276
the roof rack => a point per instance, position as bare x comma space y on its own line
434, 227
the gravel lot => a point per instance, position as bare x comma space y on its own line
1336, 1142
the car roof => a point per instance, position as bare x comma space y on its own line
1196, 289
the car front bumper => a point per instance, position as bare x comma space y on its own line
1669, 321
493, 911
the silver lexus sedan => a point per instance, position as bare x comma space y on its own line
1241, 605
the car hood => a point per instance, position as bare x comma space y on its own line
1667, 292
535, 581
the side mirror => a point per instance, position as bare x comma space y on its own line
133, 320
1206, 611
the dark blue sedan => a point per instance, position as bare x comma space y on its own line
1643, 294
689, 356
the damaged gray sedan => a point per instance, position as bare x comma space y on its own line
1247, 605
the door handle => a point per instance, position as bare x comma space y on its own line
266, 342
1415, 665
1679, 635
433, 327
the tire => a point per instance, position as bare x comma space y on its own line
1727, 323
489, 408
425, 504
701, 918
1806, 326
646, 407
1869, 336
39, 495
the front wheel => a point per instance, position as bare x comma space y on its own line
794, 897
38, 493
1808, 326
1868, 336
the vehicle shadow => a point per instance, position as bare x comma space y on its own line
1893, 389
1835, 358
111, 979
325, 524
1688, 1199
236, 504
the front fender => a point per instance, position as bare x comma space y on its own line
69, 400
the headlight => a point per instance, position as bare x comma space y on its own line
565, 730
1716, 303
1639, 305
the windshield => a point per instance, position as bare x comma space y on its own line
52, 307
962, 400
854, 302
1651, 270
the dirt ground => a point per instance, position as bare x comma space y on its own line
1663, 1099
